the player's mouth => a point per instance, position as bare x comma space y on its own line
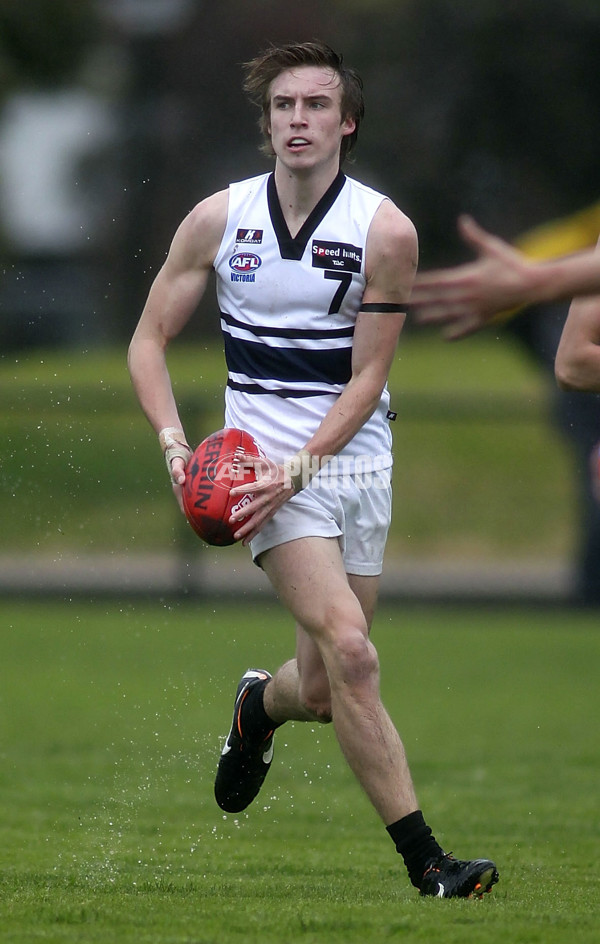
297, 144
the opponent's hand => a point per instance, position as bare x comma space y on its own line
466, 297
272, 488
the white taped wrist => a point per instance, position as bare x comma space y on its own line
173, 444
300, 469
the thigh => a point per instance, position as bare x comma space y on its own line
312, 674
366, 590
309, 577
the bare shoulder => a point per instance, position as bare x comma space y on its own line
391, 225
392, 248
199, 235
210, 213
392, 236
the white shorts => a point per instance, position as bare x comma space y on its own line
356, 509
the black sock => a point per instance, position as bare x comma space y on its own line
415, 843
255, 718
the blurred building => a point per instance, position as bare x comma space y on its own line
54, 147
70, 153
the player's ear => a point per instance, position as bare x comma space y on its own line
348, 126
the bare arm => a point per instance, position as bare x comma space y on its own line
173, 298
391, 261
465, 298
577, 364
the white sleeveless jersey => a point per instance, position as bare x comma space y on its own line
288, 311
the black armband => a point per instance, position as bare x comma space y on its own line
384, 307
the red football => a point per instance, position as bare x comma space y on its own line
214, 468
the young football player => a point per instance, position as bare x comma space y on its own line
313, 273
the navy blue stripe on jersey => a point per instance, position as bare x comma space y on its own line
292, 247
264, 331
285, 393
262, 362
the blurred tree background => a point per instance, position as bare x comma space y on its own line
487, 106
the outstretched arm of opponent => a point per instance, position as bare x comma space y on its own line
465, 298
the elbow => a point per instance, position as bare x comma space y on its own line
563, 376
137, 359
131, 356
573, 375
141, 350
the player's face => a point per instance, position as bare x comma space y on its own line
306, 123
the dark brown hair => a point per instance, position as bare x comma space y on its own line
264, 69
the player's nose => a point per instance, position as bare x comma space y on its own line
298, 116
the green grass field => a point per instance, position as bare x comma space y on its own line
110, 726
480, 471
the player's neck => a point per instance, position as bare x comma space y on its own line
299, 192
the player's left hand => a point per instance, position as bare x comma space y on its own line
270, 491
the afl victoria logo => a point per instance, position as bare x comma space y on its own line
244, 262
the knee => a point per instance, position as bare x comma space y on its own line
347, 652
356, 660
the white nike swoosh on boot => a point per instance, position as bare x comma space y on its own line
268, 755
